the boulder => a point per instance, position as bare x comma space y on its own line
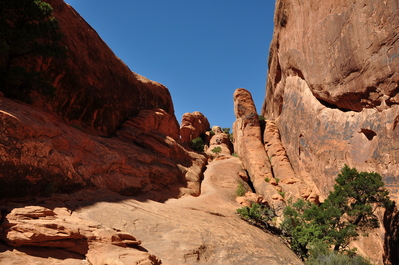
37, 226
193, 125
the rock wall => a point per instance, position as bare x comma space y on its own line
40, 155
107, 127
332, 91
95, 89
332, 87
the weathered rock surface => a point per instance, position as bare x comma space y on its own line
292, 186
222, 140
332, 90
61, 228
189, 230
249, 146
193, 125
347, 85
39, 154
95, 89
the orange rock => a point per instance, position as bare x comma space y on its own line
193, 125
42, 155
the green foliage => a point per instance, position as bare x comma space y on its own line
277, 180
197, 144
267, 179
240, 190
234, 154
324, 256
226, 130
349, 208
258, 215
28, 33
261, 118
217, 150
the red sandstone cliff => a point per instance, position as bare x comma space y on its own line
54, 145
332, 91
95, 89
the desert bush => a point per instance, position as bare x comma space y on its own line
240, 191
197, 144
258, 215
217, 150
349, 208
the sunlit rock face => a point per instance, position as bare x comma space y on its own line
333, 88
193, 125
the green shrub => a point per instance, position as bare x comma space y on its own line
277, 180
258, 215
324, 256
267, 179
240, 190
226, 130
234, 154
348, 208
217, 150
197, 144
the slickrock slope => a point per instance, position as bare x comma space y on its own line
332, 91
95, 89
189, 230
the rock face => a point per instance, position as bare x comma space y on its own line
266, 161
325, 64
54, 145
248, 145
95, 89
193, 125
41, 155
332, 89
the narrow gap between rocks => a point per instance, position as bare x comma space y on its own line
250, 184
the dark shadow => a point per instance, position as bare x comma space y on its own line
44, 252
368, 133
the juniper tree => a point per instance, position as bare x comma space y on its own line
349, 208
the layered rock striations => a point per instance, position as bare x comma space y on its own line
41, 155
332, 92
264, 157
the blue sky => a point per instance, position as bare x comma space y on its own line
201, 50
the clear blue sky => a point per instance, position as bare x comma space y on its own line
202, 50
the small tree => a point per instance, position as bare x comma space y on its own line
226, 130
27, 33
217, 150
197, 144
349, 208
